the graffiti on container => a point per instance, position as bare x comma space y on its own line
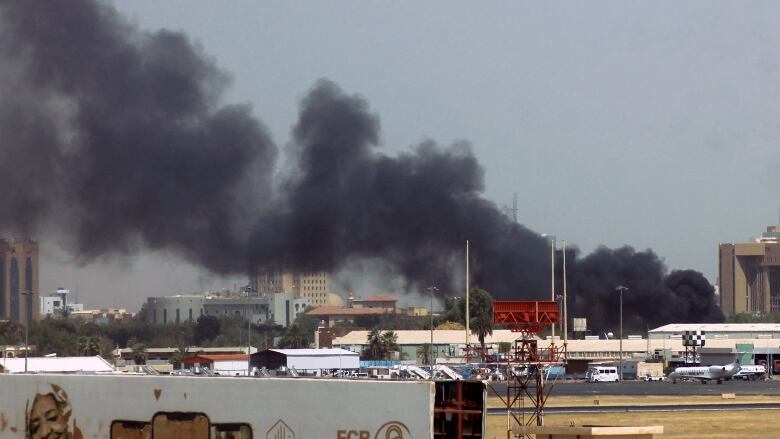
393, 430
48, 416
280, 430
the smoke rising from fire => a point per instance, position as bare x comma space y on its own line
118, 140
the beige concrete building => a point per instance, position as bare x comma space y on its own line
314, 286
19, 280
749, 275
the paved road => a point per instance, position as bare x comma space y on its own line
645, 408
641, 388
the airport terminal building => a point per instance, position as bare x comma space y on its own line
749, 275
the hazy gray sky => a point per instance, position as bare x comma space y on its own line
652, 124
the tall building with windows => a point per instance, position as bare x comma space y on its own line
313, 286
749, 275
19, 280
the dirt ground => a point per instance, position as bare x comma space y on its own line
745, 424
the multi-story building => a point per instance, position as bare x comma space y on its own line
57, 304
313, 286
749, 275
276, 308
18, 280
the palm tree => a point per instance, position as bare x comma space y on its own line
389, 343
424, 353
89, 346
481, 310
139, 353
375, 349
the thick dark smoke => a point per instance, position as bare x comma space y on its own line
117, 139
653, 297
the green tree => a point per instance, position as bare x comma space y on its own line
375, 349
182, 352
11, 333
455, 310
424, 353
206, 328
481, 314
389, 343
293, 339
307, 325
89, 345
139, 353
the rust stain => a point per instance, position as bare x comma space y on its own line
3, 422
14, 429
185, 395
157, 393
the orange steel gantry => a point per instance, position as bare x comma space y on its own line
527, 364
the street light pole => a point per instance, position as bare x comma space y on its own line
431, 289
620, 289
27, 294
249, 332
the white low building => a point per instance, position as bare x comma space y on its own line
56, 365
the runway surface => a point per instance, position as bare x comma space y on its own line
645, 408
641, 388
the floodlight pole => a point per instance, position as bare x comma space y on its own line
431, 289
27, 294
620, 289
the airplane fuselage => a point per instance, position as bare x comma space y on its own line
705, 373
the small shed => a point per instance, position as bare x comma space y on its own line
306, 359
225, 364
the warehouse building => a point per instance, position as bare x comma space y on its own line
225, 364
306, 360
719, 331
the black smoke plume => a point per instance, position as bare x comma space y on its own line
117, 140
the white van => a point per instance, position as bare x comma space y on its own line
602, 374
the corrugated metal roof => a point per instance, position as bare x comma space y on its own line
444, 336
314, 352
719, 327
57, 364
378, 298
457, 337
344, 311
212, 358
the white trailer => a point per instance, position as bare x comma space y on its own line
122, 406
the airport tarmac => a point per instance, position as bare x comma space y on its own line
641, 388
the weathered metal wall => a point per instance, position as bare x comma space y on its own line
271, 408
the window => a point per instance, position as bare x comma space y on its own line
175, 425
231, 431
131, 430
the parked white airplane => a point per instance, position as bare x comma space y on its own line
706, 373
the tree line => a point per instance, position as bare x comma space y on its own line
68, 336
